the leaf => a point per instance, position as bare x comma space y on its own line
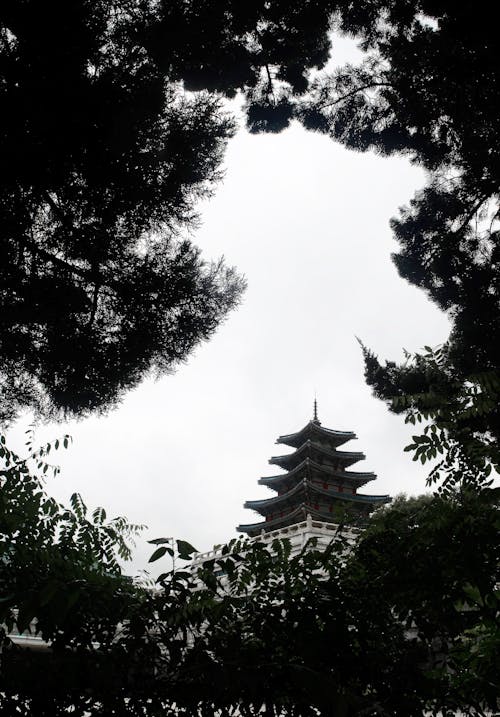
159, 553
473, 594
48, 592
160, 541
99, 515
209, 579
185, 549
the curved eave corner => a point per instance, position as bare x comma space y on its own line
360, 477
295, 439
347, 458
373, 498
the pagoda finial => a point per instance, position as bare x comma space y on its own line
315, 416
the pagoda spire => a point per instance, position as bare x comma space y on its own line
315, 414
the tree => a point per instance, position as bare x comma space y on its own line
197, 645
113, 127
405, 622
436, 559
458, 415
429, 88
102, 161
61, 572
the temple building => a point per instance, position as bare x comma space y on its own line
316, 484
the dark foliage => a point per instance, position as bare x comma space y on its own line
112, 127
406, 621
430, 88
102, 158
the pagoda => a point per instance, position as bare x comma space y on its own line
316, 482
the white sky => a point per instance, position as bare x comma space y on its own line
307, 222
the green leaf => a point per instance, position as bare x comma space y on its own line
99, 515
473, 594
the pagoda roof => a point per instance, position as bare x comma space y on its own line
256, 504
295, 516
359, 477
291, 460
314, 428
315, 482
301, 511
310, 487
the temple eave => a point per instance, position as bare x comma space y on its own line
332, 495
344, 458
359, 477
313, 427
256, 528
301, 512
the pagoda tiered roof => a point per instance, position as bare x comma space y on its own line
319, 454
357, 477
314, 429
314, 491
299, 514
315, 483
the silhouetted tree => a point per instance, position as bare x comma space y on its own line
112, 127
429, 87
405, 622
102, 159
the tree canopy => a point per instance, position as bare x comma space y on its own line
103, 158
405, 621
429, 88
115, 125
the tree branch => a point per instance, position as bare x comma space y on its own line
94, 277
95, 299
270, 89
57, 209
355, 92
482, 198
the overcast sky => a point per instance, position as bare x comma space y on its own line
307, 222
